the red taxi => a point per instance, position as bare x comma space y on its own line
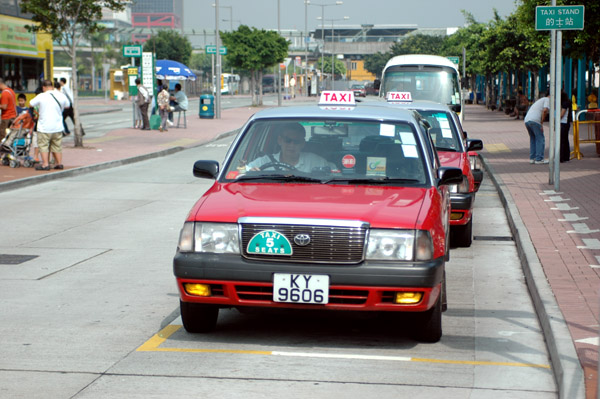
453, 150
331, 207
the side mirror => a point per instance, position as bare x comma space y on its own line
455, 107
449, 175
206, 169
474, 145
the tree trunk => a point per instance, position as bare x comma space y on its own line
78, 138
259, 80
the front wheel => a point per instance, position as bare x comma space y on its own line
197, 317
428, 325
463, 235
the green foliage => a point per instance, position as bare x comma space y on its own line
338, 66
68, 20
170, 45
201, 62
254, 49
376, 62
418, 44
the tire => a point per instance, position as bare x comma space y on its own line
463, 235
198, 318
14, 164
27, 163
428, 325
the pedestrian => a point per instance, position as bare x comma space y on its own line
162, 99
566, 117
50, 105
534, 122
179, 102
8, 105
68, 112
143, 100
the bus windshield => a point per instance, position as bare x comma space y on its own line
424, 82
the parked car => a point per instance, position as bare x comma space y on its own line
453, 149
359, 90
372, 89
323, 208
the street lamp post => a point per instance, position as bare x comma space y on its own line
332, 48
217, 6
323, 5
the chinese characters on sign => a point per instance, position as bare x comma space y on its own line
559, 17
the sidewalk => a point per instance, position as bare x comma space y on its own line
557, 234
564, 228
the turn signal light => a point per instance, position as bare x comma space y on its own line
197, 289
408, 298
456, 215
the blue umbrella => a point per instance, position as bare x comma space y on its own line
173, 70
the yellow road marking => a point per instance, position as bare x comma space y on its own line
154, 343
104, 139
497, 147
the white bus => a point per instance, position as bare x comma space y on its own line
426, 77
230, 84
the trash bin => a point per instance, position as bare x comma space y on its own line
207, 106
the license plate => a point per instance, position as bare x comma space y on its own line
300, 288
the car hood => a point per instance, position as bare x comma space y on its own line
382, 207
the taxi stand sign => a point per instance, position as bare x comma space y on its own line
335, 99
399, 97
559, 17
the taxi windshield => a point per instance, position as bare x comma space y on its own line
327, 152
431, 83
443, 130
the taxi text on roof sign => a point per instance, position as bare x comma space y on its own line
399, 96
337, 98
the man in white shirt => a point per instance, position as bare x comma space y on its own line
50, 104
68, 112
534, 120
291, 141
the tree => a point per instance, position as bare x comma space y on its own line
375, 63
253, 50
338, 66
68, 21
170, 45
418, 44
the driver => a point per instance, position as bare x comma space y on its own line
291, 141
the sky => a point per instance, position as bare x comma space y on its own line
200, 14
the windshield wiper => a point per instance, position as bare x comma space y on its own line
379, 180
291, 178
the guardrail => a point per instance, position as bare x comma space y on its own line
586, 130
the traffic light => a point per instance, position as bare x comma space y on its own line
222, 81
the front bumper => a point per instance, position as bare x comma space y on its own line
461, 206
368, 286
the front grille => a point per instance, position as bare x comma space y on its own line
336, 296
328, 243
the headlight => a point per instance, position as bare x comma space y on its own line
404, 245
463, 187
209, 237
474, 161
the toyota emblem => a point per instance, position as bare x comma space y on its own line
302, 239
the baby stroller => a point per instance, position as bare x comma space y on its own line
14, 148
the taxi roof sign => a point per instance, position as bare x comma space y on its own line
337, 98
399, 97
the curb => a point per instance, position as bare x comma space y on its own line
19, 183
566, 367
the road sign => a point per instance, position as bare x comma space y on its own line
132, 50
559, 17
211, 49
454, 60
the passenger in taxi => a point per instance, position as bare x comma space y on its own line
291, 141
